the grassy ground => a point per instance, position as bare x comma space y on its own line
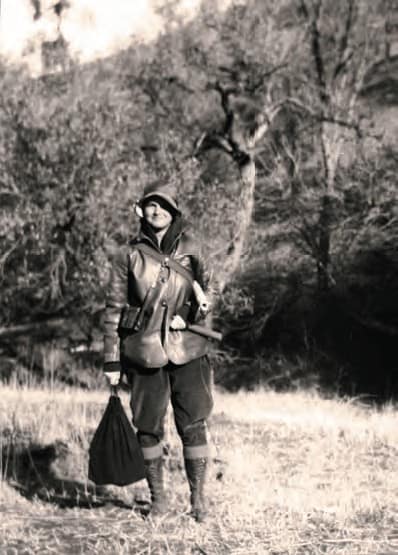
290, 474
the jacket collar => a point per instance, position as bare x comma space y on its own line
146, 238
170, 239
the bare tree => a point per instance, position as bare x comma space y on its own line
238, 139
343, 42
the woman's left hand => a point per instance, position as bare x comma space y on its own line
177, 323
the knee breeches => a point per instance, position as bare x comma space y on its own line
189, 387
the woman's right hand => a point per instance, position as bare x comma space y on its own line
112, 371
113, 377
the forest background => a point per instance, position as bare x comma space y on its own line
277, 120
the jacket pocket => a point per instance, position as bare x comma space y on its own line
129, 317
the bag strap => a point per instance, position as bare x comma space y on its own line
165, 260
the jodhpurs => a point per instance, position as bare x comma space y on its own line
189, 387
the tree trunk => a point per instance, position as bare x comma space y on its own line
323, 259
243, 219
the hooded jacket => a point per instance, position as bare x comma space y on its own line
145, 290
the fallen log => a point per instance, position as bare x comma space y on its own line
42, 327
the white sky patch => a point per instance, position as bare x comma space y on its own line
93, 28
96, 28
16, 26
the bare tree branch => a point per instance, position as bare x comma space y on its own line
174, 80
37, 7
317, 53
342, 56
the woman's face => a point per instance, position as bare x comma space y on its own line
157, 215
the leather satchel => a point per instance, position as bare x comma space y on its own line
144, 349
139, 346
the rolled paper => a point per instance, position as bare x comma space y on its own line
201, 297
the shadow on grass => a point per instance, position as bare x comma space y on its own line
31, 470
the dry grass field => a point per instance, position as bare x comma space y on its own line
290, 474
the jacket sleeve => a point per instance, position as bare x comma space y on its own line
116, 299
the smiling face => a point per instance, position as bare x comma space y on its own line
157, 214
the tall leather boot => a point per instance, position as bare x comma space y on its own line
154, 476
196, 470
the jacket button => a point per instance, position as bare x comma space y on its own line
163, 280
164, 303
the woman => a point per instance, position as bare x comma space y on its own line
150, 303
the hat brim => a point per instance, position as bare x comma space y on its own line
161, 195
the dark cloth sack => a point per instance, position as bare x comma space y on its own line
115, 456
